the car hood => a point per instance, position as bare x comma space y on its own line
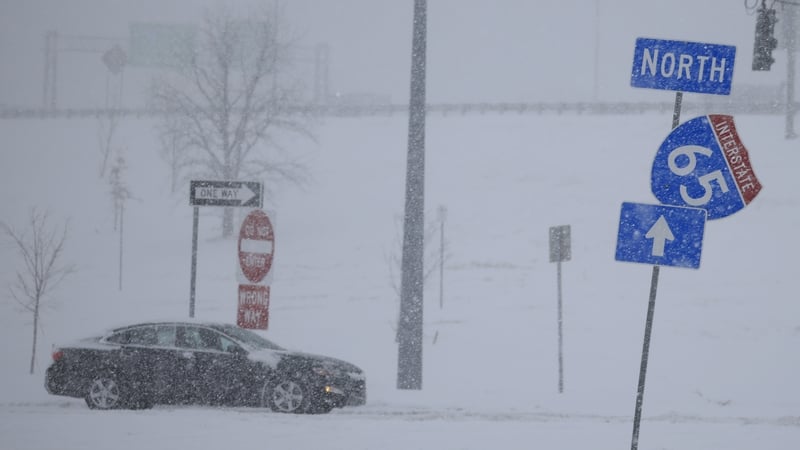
326, 361
273, 358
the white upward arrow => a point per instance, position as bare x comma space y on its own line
659, 233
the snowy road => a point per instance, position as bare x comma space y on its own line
67, 424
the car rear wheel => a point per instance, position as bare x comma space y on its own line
286, 396
104, 393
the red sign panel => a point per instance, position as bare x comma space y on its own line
253, 311
736, 156
256, 245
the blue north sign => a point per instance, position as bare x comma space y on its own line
683, 66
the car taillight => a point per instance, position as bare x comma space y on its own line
57, 354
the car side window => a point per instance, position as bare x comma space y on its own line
118, 338
199, 339
165, 335
188, 338
228, 345
134, 336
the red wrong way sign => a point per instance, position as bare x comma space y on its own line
256, 246
253, 311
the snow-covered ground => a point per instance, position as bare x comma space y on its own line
723, 360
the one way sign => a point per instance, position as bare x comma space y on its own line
661, 235
226, 193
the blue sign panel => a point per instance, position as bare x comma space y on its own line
703, 164
683, 66
661, 235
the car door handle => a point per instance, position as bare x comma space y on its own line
187, 355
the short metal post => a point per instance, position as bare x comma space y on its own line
195, 219
648, 328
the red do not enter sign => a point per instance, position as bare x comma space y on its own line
256, 246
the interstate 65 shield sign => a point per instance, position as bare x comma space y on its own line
703, 164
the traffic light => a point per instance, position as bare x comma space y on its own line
765, 41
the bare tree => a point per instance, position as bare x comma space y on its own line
174, 151
119, 187
106, 129
107, 124
434, 257
227, 103
40, 246
119, 194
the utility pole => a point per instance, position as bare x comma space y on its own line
790, 103
50, 67
321, 58
409, 357
789, 17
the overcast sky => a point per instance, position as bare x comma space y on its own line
478, 50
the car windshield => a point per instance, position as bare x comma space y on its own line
249, 338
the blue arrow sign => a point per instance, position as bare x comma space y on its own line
683, 66
703, 164
661, 235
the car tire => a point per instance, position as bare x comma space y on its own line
105, 392
290, 396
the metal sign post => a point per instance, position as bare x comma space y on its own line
195, 222
217, 193
682, 67
659, 235
560, 250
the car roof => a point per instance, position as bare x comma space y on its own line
216, 325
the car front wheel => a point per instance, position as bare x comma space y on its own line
104, 393
286, 396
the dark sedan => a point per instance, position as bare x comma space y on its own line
141, 365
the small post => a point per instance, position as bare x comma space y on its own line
442, 214
195, 219
121, 213
560, 334
560, 250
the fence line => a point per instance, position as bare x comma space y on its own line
444, 109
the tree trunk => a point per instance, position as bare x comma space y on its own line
35, 331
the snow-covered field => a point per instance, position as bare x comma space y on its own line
723, 360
